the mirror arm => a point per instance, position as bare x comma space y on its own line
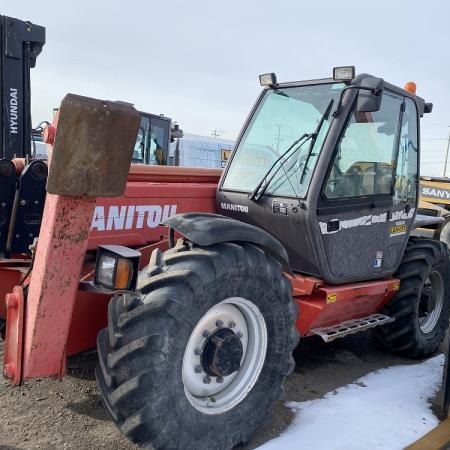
375, 91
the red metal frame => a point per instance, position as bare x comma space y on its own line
12, 358
322, 305
11, 272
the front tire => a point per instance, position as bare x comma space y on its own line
421, 308
197, 361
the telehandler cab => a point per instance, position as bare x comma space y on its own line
316, 207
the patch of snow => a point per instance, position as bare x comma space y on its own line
387, 409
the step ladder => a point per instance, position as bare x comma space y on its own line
342, 329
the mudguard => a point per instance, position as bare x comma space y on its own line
207, 229
423, 220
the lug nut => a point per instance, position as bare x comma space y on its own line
219, 324
239, 335
198, 351
205, 333
231, 324
198, 369
207, 379
219, 380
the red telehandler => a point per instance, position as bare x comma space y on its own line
197, 319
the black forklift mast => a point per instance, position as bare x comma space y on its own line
20, 44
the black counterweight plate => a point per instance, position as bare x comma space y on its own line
7, 190
30, 206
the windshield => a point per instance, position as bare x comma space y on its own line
281, 118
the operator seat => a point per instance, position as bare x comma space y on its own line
348, 184
361, 178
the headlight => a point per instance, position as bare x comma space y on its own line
105, 270
344, 73
117, 267
268, 79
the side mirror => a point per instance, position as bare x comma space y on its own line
175, 132
370, 95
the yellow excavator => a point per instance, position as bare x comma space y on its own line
435, 201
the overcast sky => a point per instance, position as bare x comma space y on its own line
198, 61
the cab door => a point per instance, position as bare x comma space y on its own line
405, 202
358, 195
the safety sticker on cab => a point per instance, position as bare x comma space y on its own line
331, 298
398, 229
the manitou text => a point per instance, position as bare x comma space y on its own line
129, 217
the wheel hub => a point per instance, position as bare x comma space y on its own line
222, 353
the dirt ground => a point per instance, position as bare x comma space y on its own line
68, 414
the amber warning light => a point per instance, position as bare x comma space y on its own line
410, 86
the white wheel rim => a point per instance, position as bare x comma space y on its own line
217, 397
430, 319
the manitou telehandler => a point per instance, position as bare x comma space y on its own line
307, 238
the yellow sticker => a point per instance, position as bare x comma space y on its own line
398, 229
331, 298
225, 154
396, 286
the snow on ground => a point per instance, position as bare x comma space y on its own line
387, 409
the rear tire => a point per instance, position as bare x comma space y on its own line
421, 307
2, 328
445, 234
145, 374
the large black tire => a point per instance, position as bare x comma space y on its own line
2, 328
445, 234
141, 352
424, 260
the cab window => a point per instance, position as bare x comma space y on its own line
364, 162
407, 160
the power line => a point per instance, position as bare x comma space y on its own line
446, 153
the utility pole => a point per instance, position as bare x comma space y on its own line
446, 154
215, 133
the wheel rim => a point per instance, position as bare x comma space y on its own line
213, 394
431, 302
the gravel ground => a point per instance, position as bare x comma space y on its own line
68, 414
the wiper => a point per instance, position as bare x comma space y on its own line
324, 117
261, 187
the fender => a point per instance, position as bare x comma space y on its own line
423, 220
208, 229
